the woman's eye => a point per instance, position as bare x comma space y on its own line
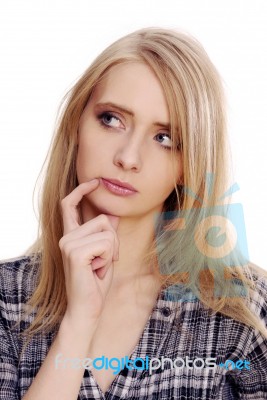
165, 139
109, 120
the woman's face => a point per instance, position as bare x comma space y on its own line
124, 135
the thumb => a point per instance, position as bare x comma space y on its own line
114, 220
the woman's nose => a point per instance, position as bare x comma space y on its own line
128, 155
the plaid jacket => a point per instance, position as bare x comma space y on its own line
177, 327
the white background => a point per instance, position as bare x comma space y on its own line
46, 45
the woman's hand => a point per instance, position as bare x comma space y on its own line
88, 252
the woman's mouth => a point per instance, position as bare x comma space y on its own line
117, 187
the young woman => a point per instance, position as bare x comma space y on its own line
125, 295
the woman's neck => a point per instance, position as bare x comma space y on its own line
135, 238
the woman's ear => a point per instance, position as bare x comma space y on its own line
180, 181
77, 138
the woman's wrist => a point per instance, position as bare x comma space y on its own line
79, 332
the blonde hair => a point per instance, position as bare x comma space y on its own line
197, 108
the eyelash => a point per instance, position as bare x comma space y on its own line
104, 114
101, 116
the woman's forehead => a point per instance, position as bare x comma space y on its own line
135, 87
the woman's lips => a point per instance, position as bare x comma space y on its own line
118, 188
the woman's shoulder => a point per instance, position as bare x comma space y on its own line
259, 292
18, 277
259, 277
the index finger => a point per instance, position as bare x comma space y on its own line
69, 204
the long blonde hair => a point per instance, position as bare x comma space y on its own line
197, 108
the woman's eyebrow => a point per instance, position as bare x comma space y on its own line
129, 112
113, 105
